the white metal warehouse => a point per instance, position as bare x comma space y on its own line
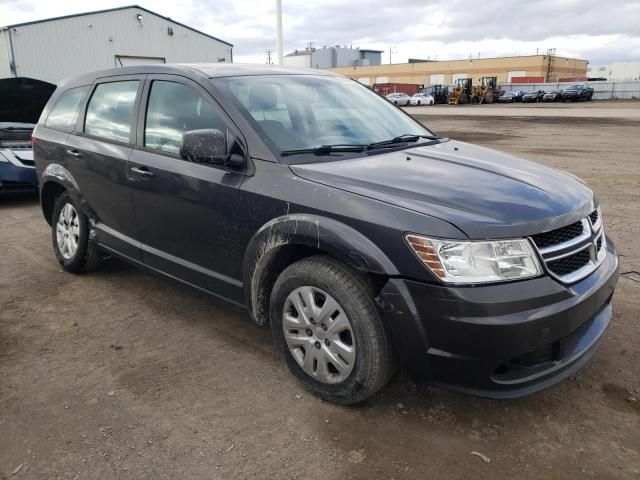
56, 48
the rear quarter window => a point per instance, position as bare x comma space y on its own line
64, 114
110, 110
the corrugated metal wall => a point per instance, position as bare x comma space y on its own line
62, 48
5, 55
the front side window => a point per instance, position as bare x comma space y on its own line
307, 111
65, 112
174, 109
110, 110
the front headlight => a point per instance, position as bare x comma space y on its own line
457, 261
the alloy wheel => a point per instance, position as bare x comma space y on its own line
68, 231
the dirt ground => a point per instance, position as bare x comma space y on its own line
123, 374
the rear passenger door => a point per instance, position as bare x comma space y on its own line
97, 157
187, 213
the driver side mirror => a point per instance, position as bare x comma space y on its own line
208, 146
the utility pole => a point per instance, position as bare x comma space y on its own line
392, 50
279, 31
269, 60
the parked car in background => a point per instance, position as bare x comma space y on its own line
553, 96
422, 99
21, 103
366, 241
511, 97
535, 96
577, 93
399, 98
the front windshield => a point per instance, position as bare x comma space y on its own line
308, 111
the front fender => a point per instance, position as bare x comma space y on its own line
321, 233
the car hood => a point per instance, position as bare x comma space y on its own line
23, 99
485, 193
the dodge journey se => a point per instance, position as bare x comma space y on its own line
366, 241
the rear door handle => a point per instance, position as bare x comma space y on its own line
74, 153
142, 171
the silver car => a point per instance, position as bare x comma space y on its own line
399, 98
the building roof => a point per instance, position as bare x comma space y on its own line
127, 7
298, 53
306, 51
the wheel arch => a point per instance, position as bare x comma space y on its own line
284, 240
55, 180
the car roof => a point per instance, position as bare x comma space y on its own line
210, 70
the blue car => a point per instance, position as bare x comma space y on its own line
21, 103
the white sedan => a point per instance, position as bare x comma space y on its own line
399, 98
422, 99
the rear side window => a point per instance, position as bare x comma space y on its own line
110, 110
174, 109
64, 113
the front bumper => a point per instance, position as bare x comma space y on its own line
503, 340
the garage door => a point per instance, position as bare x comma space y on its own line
437, 79
126, 60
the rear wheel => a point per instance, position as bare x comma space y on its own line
70, 236
329, 331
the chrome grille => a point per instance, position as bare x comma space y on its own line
572, 252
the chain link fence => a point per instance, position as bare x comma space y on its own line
626, 90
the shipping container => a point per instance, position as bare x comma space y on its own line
387, 88
527, 79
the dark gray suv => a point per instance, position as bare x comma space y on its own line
364, 239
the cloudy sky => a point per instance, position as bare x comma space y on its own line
600, 31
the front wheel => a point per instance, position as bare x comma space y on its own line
328, 329
70, 236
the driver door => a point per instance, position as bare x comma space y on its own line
186, 213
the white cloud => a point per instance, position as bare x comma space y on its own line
447, 29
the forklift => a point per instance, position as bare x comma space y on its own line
440, 93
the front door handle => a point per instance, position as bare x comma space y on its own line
142, 171
74, 153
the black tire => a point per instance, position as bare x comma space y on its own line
374, 361
87, 257
419, 102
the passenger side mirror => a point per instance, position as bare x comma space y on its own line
208, 146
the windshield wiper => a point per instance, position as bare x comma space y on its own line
407, 137
325, 149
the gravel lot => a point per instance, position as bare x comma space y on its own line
123, 374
